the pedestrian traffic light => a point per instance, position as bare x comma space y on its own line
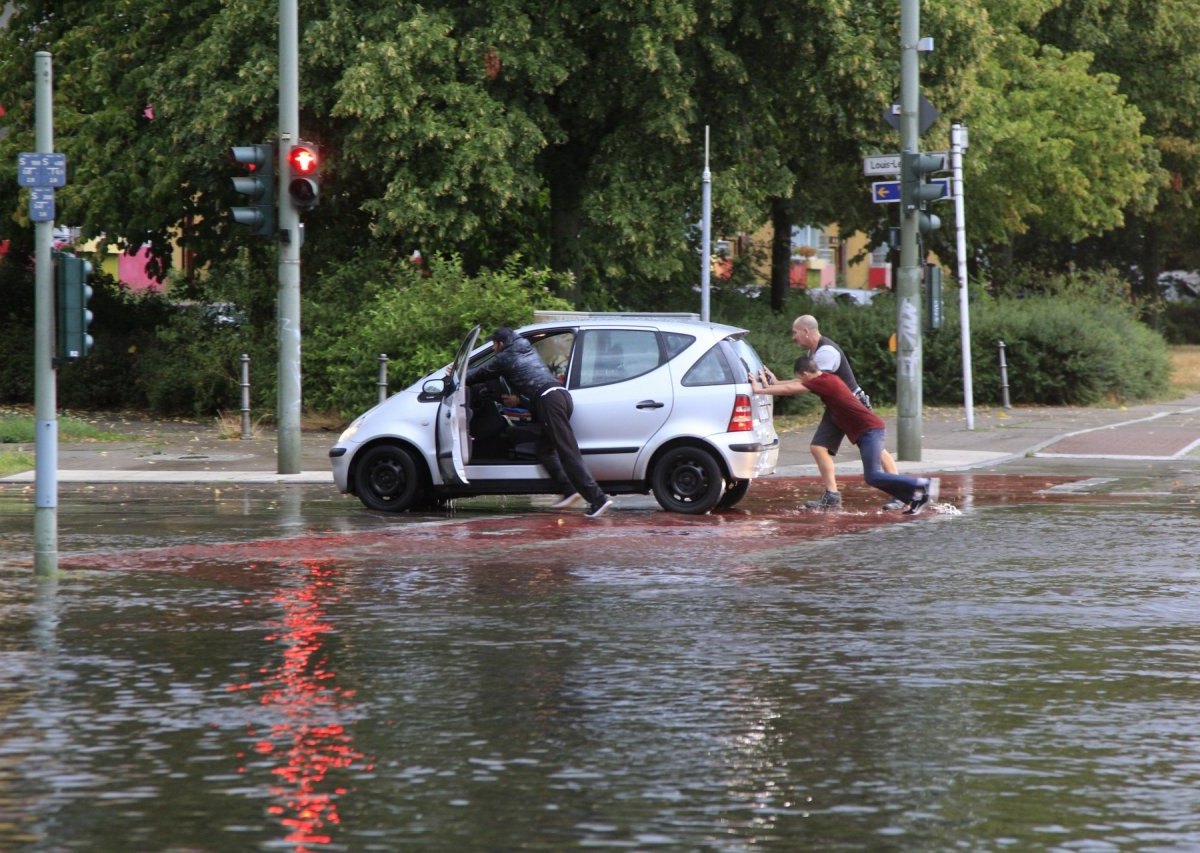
73, 290
304, 166
915, 189
258, 185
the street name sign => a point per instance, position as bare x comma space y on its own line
889, 164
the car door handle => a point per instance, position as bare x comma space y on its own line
650, 404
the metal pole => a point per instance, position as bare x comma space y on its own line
908, 281
958, 144
288, 309
45, 515
705, 233
383, 379
1003, 377
246, 397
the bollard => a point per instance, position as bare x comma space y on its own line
245, 397
1003, 377
383, 379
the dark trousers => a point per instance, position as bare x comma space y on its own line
558, 450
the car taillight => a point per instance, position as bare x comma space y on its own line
742, 419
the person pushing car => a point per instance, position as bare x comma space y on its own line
557, 449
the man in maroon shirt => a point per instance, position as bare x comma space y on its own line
862, 426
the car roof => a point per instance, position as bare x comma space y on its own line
669, 322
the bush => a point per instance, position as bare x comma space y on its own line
418, 322
1077, 344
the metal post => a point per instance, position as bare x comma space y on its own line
288, 309
383, 379
958, 144
705, 233
908, 281
245, 397
1003, 377
45, 514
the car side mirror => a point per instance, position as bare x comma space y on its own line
434, 388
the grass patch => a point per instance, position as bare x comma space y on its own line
1185, 369
14, 462
20, 429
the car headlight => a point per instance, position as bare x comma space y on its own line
348, 432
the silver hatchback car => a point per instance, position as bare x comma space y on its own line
662, 405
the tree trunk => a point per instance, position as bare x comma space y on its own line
564, 175
781, 251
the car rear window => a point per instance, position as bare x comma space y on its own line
712, 369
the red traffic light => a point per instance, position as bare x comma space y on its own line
303, 160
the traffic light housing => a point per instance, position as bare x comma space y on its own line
304, 170
73, 291
915, 189
258, 185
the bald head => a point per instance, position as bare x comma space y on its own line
805, 332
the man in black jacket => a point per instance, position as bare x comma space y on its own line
557, 448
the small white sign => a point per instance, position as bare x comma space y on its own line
889, 164
882, 164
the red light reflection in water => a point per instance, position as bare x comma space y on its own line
308, 742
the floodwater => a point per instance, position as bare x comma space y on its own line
304, 675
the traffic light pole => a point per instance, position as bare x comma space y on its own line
288, 304
45, 391
908, 282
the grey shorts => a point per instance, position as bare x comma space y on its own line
828, 435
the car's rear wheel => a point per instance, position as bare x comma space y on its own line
688, 480
733, 494
387, 479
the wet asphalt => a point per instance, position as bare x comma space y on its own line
162, 471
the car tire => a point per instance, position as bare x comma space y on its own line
387, 479
734, 494
688, 480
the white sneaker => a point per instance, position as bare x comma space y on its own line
599, 509
567, 501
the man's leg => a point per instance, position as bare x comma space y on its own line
826, 469
555, 409
888, 463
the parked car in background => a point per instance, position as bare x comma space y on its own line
843, 295
662, 406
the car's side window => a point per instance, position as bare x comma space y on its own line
712, 369
614, 355
555, 352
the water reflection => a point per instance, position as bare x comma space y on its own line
1021, 676
305, 740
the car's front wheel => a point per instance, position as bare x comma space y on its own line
688, 480
387, 479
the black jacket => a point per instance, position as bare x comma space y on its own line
521, 367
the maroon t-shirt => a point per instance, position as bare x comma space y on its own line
848, 412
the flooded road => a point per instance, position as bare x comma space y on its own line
1015, 672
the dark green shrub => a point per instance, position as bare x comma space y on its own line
417, 321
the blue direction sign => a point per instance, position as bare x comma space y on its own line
38, 169
887, 192
41, 204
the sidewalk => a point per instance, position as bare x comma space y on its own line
194, 452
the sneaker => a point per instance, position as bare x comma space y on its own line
567, 501
893, 505
597, 510
829, 500
924, 496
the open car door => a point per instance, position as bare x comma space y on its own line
453, 419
